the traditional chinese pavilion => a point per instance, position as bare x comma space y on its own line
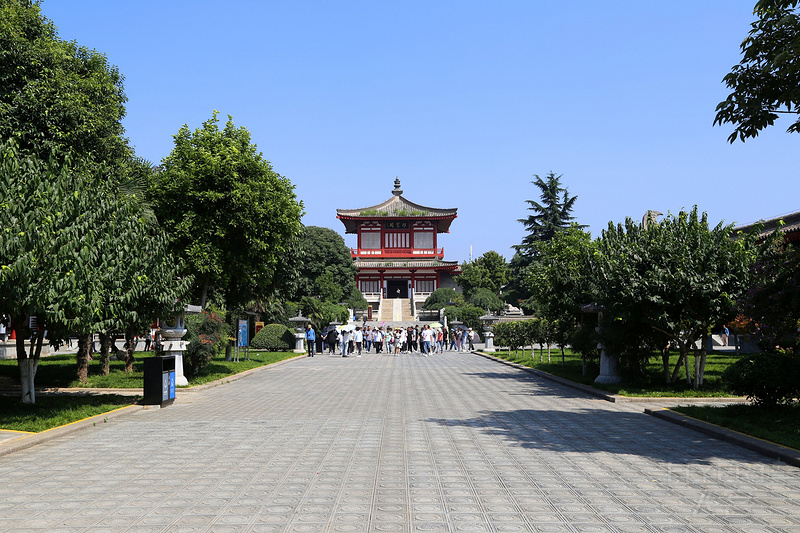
398, 258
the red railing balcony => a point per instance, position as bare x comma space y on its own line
397, 253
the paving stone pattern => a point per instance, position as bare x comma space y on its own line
451, 442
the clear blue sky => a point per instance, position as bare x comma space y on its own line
463, 100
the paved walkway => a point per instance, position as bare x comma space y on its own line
380, 443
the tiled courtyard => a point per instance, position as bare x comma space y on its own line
451, 442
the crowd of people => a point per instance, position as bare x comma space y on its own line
353, 341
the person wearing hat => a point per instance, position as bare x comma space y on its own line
471, 338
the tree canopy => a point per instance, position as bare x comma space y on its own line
675, 279
552, 214
325, 267
233, 220
489, 271
57, 97
766, 82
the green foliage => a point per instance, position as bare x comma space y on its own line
489, 271
513, 334
559, 280
486, 299
326, 268
322, 313
773, 299
207, 334
674, 278
767, 378
273, 338
57, 98
234, 221
766, 82
441, 297
551, 215
468, 314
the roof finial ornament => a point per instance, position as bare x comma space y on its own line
397, 190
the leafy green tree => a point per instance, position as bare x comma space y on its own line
57, 97
321, 251
234, 221
441, 297
489, 271
551, 215
468, 314
675, 278
559, 282
773, 300
766, 82
486, 299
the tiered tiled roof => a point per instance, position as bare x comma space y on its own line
790, 227
397, 207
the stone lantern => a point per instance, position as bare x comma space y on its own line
299, 336
609, 371
172, 333
488, 321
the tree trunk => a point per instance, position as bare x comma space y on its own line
130, 347
84, 342
204, 293
736, 343
548, 353
677, 370
28, 363
105, 344
700, 372
665, 363
563, 357
686, 365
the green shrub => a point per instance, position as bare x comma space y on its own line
206, 333
273, 338
766, 378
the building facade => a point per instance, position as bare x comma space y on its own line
398, 257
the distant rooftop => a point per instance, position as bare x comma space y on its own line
397, 207
791, 227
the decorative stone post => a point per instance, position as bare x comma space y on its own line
299, 334
609, 371
171, 335
488, 320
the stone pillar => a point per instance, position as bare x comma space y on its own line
172, 344
609, 373
489, 346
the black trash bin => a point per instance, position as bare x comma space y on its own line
159, 380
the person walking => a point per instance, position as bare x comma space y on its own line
345, 342
358, 340
427, 337
440, 341
471, 339
311, 340
724, 334
332, 338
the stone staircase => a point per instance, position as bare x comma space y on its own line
394, 310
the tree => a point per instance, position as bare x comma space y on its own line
57, 97
441, 297
486, 299
551, 215
489, 271
234, 221
559, 281
326, 268
766, 82
773, 299
675, 278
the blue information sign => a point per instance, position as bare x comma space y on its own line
242, 333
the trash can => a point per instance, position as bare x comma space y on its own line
159, 380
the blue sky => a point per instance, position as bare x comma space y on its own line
465, 101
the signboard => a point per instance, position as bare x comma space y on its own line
243, 337
259, 327
399, 224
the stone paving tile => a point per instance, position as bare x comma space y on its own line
445, 443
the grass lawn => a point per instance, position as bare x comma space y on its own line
54, 411
59, 371
779, 424
651, 385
